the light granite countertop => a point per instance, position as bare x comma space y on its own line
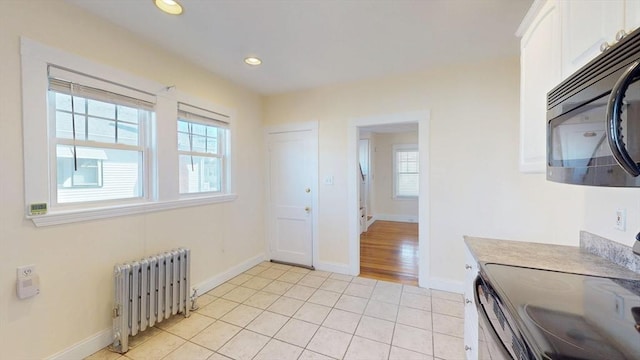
571, 259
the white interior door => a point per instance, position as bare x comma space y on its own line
291, 178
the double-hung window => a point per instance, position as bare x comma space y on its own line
98, 136
406, 170
203, 149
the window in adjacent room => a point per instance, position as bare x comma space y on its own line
203, 150
98, 136
406, 170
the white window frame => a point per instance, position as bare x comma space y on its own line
402, 148
161, 194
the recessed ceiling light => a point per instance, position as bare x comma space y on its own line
253, 61
169, 6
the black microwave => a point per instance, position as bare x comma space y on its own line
593, 120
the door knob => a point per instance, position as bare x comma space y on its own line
307, 209
307, 190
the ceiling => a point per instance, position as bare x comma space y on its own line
311, 43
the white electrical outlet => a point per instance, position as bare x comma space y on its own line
28, 283
621, 219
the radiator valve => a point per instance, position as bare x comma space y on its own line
194, 300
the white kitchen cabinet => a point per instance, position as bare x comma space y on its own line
586, 26
470, 311
540, 70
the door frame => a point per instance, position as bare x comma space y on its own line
422, 118
311, 126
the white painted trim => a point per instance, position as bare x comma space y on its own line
86, 347
446, 285
372, 220
72, 216
397, 217
333, 267
529, 17
422, 118
209, 284
294, 127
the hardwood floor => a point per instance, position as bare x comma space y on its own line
389, 251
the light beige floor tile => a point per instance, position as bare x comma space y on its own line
239, 294
144, 336
414, 317
319, 273
217, 356
216, 335
448, 347
365, 349
278, 287
261, 300
330, 342
342, 320
351, 303
388, 285
448, 307
104, 354
342, 277
276, 349
448, 325
324, 297
375, 329
381, 310
189, 351
170, 322
222, 289
189, 327
416, 290
335, 285
363, 291
310, 355
256, 270
414, 339
205, 299
281, 267
291, 277
266, 264
300, 292
387, 294
218, 308
312, 313
364, 281
446, 295
286, 306
244, 346
257, 283
271, 273
312, 281
416, 301
404, 354
268, 323
240, 279
241, 315
157, 347
300, 270
297, 332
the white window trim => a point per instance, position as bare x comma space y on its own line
395, 149
35, 58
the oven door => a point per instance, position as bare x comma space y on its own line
502, 343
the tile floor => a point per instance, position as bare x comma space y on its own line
279, 312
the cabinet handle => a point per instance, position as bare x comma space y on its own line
467, 348
468, 301
467, 266
604, 46
620, 35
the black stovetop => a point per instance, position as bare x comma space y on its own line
570, 316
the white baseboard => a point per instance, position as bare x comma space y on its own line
85, 347
372, 220
443, 284
100, 340
397, 217
211, 283
332, 267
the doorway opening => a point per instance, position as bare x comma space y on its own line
388, 197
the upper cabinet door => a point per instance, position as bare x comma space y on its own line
586, 25
632, 15
539, 73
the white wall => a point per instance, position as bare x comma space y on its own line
75, 261
475, 186
385, 205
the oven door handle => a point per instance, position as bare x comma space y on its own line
614, 120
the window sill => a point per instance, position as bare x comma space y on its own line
67, 217
404, 198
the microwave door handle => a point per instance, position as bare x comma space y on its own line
614, 120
